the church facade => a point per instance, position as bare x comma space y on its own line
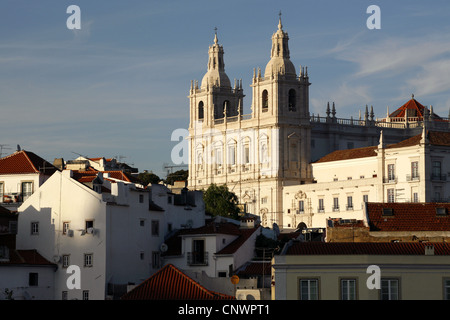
258, 155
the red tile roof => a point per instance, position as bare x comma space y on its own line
408, 217
26, 257
412, 108
170, 283
365, 248
90, 174
255, 268
174, 242
21, 162
434, 137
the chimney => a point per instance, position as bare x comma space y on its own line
429, 250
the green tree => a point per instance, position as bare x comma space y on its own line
180, 175
219, 201
148, 177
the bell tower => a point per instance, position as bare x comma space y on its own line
215, 98
281, 99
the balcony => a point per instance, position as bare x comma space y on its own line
414, 177
438, 177
197, 258
13, 199
390, 179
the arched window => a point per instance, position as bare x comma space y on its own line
292, 106
265, 101
200, 110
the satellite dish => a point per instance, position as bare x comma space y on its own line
56, 258
164, 247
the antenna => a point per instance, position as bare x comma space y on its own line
3, 147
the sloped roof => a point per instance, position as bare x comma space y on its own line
90, 174
365, 248
408, 217
26, 257
437, 138
412, 108
22, 162
170, 283
174, 242
256, 268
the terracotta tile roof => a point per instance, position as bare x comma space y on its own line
237, 243
170, 283
413, 108
90, 174
349, 154
174, 242
21, 162
408, 217
26, 257
434, 137
255, 268
365, 248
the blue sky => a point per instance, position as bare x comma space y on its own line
119, 86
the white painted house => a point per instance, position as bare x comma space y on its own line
111, 229
413, 170
21, 174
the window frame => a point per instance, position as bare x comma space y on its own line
355, 288
389, 287
88, 260
316, 281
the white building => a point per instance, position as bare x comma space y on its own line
110, 229
21, 174
263, 154
413, 170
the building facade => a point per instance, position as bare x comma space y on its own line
266, 154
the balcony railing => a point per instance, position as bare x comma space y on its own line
197, 258
414, 177
438, 177
13, 198
391, 179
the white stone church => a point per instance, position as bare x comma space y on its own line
267, 157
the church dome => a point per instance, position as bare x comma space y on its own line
216, 77
279, 65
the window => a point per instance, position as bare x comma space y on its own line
33, 279
142, 222
301, 206
232, 154
200, 110
169, 199
155, 228
85, 294
88, 259
265, 101
391, 195
222, 274
415, 197
141, 198
1, 191
436, 170
27, 190
391, 172
155, 259
13, 227
446, 289
437, 193
141, 255
349, 203
65, 260
414, 170
293, 152
389, 289
64, 295
348, 289
246, 154
198, 256
66, 226
89, 225
35, 228
321, 206
335, 204
292, 102
309, 289
169, 227
264, 200
218, 156
365, 198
